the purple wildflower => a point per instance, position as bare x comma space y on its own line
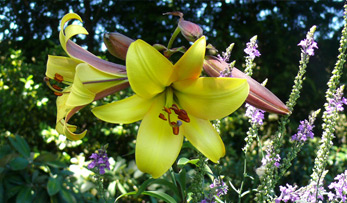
220, 187
340, 187
226, 73
308, 46
252, 50
100, 161
256, 115
267, 159
303, 194
287, 194
337, 102
304, 131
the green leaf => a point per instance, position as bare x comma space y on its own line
157, 194
170, 185
56, 164
181, 179
19, 163
185, 161
46, 157
67, 196
20, 145
24, 195
53, 185
41, 197
2, 192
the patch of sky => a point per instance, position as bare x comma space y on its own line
201, 11
96, 2
263, 14
230, 1
32, 5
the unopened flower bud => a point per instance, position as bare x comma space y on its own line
189, 30
259, 96
213, 66
117, 44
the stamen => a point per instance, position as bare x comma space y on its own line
161, 116
181, 114
175, 130
55, 88
167, 110
175, 108
58, 93
58, 77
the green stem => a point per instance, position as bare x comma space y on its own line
173, 37
243, 179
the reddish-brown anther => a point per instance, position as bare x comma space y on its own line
57, 87
58, 77
161, 116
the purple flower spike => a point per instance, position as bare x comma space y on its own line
308, 46
304, 131
340, 187
256, 115
100, 161
251, 48
337, 102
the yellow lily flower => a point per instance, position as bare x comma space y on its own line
173, 102
89, 77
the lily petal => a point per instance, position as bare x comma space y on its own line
156, 146
190, 64
204, 138
64, 66
72, 31
95, 80
211, 98
148, 70
127, 110
78, 53
79, 94
68, 130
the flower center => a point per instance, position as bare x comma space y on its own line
181, 115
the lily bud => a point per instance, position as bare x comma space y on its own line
189, 30
117, 44
259, 96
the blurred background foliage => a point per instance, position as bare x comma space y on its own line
29, 32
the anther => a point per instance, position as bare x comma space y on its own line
56, 87
175, 130
58, 93
167, 110
58, 77
175, 108
161, 116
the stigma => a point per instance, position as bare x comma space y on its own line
181, 115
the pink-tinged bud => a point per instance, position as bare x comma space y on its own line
189, 30
213, 66
259, 96
117, 44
